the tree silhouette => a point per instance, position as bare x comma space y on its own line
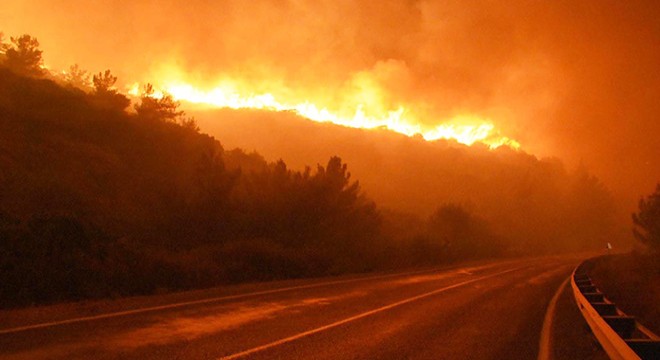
77, 77
647, 220
104, 82
462, 234
105, 95
23, 56
153, 106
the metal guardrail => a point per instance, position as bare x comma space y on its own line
619, 334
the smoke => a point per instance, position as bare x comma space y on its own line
575, 79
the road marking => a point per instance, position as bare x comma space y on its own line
211, 300
546, 330
360, 316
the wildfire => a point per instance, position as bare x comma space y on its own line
463, 129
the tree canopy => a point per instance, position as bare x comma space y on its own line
78, 78
162, 106
104, 82
23, 56
105, 95
646, 220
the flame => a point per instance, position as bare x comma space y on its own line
463, 129
134, 89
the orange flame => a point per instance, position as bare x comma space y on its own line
463, 129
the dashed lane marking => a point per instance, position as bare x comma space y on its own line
209, 300
360, 316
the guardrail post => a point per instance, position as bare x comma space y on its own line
604, 308
622, 325
587, 288
645, 348
583, 282
594, 297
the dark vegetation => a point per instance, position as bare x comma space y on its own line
100, 199
534, 205
647, 221
632, 282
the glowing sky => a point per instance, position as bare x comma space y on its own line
574, 79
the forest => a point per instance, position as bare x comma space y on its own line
102, 195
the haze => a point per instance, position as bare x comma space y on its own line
575, 79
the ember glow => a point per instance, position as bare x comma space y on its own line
462, 129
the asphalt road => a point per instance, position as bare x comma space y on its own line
487, 310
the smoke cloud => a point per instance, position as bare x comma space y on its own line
574, 79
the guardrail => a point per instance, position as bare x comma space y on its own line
620, 335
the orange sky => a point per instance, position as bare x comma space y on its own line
574, 79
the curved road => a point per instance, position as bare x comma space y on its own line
486, 310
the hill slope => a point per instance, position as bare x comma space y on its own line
536, 201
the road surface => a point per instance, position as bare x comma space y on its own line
506, 309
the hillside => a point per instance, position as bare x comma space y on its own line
536, 202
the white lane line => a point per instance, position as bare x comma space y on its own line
546, 330
359, 316
206, 301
